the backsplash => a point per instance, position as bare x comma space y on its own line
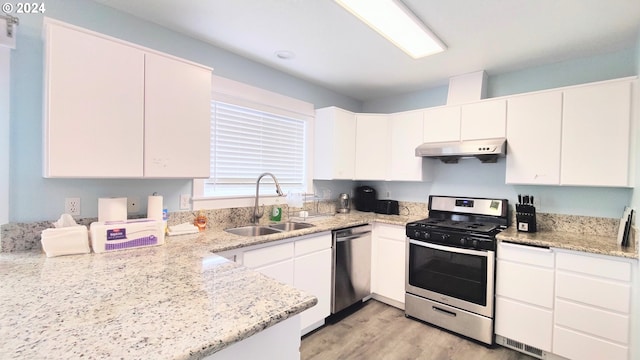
26, 236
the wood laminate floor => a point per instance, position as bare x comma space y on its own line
378, 331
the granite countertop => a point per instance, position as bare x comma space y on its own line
595, 244
175, 301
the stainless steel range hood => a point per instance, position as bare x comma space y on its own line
487, 151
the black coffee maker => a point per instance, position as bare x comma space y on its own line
365, 198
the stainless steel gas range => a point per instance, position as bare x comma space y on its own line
451, 264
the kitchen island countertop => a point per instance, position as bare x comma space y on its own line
175, 301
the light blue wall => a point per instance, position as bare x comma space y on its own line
472, 178
34, 198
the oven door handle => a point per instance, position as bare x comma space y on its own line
449, 248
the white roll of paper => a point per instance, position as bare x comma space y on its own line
154, 207
112, 209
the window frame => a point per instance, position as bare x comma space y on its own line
237, 93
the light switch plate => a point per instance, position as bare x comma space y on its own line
185, 200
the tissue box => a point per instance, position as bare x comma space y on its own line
66, 241
120, 235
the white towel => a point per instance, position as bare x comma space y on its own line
182, 229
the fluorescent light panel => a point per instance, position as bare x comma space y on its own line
391, 19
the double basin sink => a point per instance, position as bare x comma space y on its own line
257, 230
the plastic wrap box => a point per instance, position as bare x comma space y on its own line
120, 235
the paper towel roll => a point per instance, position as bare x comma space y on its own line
154, 207
112, 209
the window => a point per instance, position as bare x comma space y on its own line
255, 131
246, 143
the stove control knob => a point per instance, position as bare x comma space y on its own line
445, 236
416, 234
463, 241
475, 244
426, 235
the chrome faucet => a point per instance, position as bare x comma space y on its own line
257, 212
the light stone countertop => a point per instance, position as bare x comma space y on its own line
175, 301
595, 244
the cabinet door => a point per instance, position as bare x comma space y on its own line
529, 284
595, 135
442, 124
281, 271
389, 258
483, 120
313, 275
177, 118
406, 134
335, 147
372, 147
522, 322
94, 98
533, 139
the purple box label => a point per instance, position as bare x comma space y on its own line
116, 234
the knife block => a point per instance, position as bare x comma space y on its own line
526, 218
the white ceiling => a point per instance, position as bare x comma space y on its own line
337, 51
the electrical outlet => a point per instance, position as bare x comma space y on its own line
72, 206
185, 202
133, 205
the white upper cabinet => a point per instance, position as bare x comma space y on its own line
177, 99
335, 144
596, 133
372, 147
442, 124
406, 134
533, 139
483, 120
94, 106
116, 110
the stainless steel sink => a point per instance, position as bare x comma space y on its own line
253, 230
290, 226
257, 230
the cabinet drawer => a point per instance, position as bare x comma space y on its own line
268, 255
573, 345
525, 323
593, 321
598, 292
526, 254
312, 244
390, 231
526, 283
597, 266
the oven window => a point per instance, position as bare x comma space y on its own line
460, 276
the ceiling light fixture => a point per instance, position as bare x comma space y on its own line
393, 20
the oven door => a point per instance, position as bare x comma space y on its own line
462, 278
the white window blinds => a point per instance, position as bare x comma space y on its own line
246, 142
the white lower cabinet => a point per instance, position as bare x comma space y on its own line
302, 262
275, 261
388, 264
312, 273
592, 309
524, 295
261, 345
568, 304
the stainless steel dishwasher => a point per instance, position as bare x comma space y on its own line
351, 280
